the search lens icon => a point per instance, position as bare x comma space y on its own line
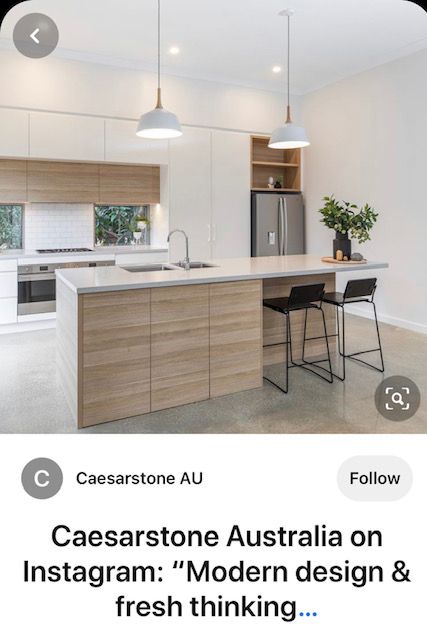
397, 398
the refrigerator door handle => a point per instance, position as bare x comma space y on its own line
286, 243
281, 227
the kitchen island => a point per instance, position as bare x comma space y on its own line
131, 343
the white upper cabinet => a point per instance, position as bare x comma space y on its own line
63, 137
14, 133
123, 145
190, 193
231, 195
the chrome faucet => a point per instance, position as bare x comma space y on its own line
186, 262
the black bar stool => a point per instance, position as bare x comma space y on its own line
355, 291
304, 297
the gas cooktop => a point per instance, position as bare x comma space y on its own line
84, 250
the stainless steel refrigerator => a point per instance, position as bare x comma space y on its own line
277, 224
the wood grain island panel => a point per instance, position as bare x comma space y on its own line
179, 345
115, 355
235, 337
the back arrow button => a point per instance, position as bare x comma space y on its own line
34, 34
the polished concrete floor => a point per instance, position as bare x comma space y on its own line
31, 400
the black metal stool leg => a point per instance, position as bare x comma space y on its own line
327, 347
352, 356
287, 346
379, 338
344, 350
316, 363
288, 349
304, 335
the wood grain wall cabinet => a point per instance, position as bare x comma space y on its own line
179, 345
115, 352
13, 181
266, 162
235, 337
129, 184
62, 182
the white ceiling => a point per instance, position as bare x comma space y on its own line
237, 41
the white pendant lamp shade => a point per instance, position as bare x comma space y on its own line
159, 124
289, 135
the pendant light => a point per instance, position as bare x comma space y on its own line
159, 124
289, 136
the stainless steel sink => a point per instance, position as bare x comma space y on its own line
146, 268
195, 265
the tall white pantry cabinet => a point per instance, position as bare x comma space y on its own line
209, 193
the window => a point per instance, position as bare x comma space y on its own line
11, 216
122, 225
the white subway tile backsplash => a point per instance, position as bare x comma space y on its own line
58, 226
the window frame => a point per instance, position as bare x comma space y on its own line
141, 209
21, 205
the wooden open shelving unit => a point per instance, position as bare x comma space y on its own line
266, 162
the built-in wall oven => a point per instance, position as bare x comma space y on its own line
37, 285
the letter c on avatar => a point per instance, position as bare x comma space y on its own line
38, 478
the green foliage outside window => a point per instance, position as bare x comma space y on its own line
115, 225
11, 226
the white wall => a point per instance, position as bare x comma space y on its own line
369, 144
68, 86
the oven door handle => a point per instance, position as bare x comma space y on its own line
35, 277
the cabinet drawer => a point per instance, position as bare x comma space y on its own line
8, 285
8, 310
8, 265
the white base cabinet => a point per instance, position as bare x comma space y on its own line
8, 291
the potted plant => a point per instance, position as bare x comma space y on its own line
142, 222
136, 232
348, 221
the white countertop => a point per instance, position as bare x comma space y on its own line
100, 279
105, 253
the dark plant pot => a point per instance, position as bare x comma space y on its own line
342, 243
